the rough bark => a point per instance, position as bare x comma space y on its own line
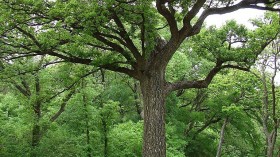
152, 86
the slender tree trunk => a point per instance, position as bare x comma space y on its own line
270, 148
87, 123
88, 140
268, 115
103, 120
222, 135
36, 130
279, 151
35, 135
105, 136
154, 114
271, 140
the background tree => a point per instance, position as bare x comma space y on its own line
39, 90
269, 66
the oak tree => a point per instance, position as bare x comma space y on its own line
126, 36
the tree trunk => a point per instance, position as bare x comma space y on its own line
270, 148
270, 142
267, 119
222, 135
87, 124
88, 140
105, 136
152, 86
36, 130
279, 152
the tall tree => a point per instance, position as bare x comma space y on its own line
269, 66
126, 36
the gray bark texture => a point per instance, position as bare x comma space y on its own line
154, 113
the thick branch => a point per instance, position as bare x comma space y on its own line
160, 4
185, 31
67, 58
192, 13
114, 67
186, 84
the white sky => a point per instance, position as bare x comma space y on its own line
242, 17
